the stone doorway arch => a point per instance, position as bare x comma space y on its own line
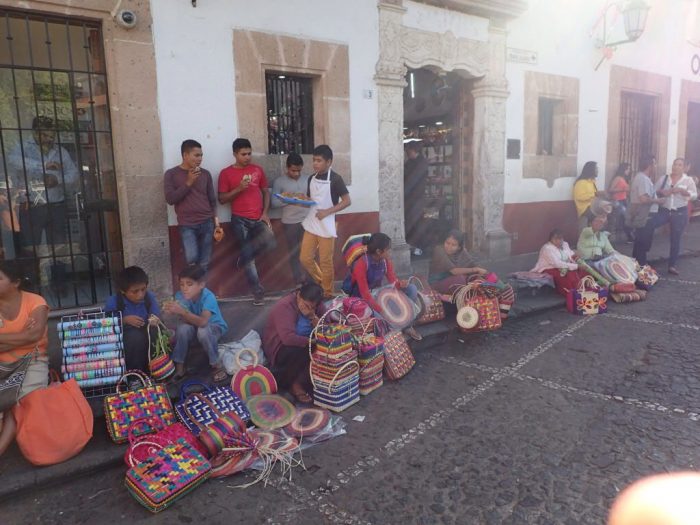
401, 47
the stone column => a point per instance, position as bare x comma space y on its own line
390, 79
489, 148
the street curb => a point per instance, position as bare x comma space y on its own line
111, 455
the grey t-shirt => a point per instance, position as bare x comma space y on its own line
642, 185
291, 213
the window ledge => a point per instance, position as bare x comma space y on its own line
507, 9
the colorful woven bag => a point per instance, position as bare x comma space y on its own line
334, 342
487, 308
160, 365
371, 374
647, 277
123, 408
398, 358
252, 380
337, 394
433, 309
213, 435
145, 445
167, 475
194, 411
588, 299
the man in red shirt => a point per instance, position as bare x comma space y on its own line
244, 185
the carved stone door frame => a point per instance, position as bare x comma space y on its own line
401, 47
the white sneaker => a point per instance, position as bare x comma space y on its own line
417, 251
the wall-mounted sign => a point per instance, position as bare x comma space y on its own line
521, 56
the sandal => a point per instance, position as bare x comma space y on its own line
219, 374
301, 395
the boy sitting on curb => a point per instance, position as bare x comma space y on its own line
200, 317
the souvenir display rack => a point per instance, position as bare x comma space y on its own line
93, 350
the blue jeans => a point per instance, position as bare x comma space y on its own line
207, 336
254, 238
678, 219
197, 240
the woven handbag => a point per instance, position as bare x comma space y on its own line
145, 445
334, 341
167, 475
358, 313
371, 374
588, 299
338, 394
398, 358
160, 365
194, 411
123, 408
487, 308
252, 380
647, 277
213, 435
369, 344
433, 309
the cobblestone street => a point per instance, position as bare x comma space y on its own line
542, 422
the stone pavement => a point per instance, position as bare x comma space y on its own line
486, 360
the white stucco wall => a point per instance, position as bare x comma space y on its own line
195, 68
563, 35
438, 20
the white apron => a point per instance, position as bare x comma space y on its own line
320, 193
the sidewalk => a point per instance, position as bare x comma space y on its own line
18, 475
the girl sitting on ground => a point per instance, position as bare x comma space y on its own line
368, 273
559, 260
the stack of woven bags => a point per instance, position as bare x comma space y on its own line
334, 369
370, 357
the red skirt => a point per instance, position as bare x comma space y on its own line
567, 282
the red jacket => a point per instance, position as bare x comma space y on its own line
359, 276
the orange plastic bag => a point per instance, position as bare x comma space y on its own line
53, 423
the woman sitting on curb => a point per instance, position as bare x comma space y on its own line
23, 331
286, 338
368, 272
559, 261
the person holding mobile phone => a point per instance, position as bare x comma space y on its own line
190, 189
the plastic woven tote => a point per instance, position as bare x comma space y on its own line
167, 475
337, 395
398, 358
371, 374
647, 277
433, 309
252, 380
588, 299
214, 434
160, 365
199, 413
487, 308
334, 342
145, 445
147, 402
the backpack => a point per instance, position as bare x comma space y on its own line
351, 251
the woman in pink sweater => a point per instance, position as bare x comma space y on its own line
558, 260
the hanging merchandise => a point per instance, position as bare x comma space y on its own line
167, 475
160, 365
269, 412
92, 350
147, 401
253, 379
194, 411
398, 358
588, 299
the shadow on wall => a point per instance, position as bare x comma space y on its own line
532, 222
275, 274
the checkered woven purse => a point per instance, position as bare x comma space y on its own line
195, 412
167, 475
486, 307
433, 309
147, 402
398, 358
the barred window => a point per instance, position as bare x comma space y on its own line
290, 119
547, 109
